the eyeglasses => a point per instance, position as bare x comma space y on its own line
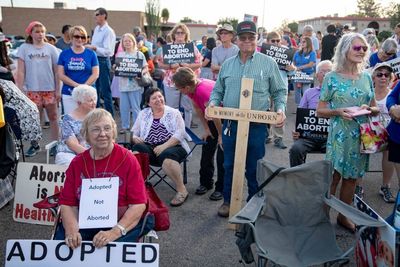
381, 74
179, 33
79, 37
98, 14
275, 41
390, 54
359, 47
250, 38
97, 130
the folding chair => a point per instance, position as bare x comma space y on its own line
288, 218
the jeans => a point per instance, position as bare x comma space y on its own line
255, 151
103, 84
207, 161
299, 91
129, 101
302, 146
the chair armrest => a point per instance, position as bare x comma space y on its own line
358, 217
194, 138
48, 147
250, 212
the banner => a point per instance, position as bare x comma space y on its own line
35, 182
309, 125
301, 77
38, 253
282, 55
128, 67
178, 53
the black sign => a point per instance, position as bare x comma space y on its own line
282, 55
301, 77
128, 67
309, 126
178, 53
395, 64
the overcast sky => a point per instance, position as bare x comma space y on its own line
270, 13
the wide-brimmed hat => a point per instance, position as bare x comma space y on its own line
383, 65
246, 26
226, 27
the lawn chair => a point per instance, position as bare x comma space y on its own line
288, 218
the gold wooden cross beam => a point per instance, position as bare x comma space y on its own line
244, 115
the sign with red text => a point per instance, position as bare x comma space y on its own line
39, 253
35, 182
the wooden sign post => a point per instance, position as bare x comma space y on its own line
244, 115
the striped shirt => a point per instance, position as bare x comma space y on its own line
158, 134
268, 83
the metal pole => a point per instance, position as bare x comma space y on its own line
263, 13
12, 3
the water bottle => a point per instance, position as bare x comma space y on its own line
396, 220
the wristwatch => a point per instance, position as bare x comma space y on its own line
122, 229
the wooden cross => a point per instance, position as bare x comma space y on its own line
244, 115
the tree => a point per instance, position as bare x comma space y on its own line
393, 12
152, 13
232, 21
368, 8
165, 15
293, 26
187, 20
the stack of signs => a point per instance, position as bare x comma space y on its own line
128, 67
178, 53
301, 77
282, 55
309, 125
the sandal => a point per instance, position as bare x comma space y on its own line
178, 199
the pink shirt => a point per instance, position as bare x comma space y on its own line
202, 93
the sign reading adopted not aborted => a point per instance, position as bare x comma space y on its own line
39, 253
178, 53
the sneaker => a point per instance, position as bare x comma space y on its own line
46, 125
279, 143
32, 151
387, 194
359, 191
223, 211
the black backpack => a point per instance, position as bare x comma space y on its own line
8, 157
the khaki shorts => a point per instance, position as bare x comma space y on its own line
42, 98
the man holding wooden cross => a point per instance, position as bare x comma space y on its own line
261, 73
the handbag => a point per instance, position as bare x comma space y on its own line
145, 80
158, 74
374, 137
158, 209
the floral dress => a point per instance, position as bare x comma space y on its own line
343, 144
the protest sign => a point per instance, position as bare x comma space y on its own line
375, 245
309, 125
178, 53
282, 55
36, 182
38, 253
395, 64
301, 77
128, 67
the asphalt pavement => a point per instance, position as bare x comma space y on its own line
197, 236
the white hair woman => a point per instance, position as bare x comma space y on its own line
346, 86
72, 142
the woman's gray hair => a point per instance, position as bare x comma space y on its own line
98, 114
389, 45
344, 46
83, 91
322, 63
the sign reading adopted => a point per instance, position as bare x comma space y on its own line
98, 206
38, 253
128, 67
36, 182
178, 53
309, 125
282, 55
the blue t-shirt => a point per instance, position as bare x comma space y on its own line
77, 67
374, 59
303, 59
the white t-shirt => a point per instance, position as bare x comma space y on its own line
381, 104
129, 84
39, 63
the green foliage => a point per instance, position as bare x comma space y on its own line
165, 15
393, 12
293, 26
187, 20
383, 35
232, 21
152, 13
368, 8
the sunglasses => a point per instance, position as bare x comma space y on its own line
381, 74
79, 37
98, 14
275, 41
244, 38
390, 54
179, 33
359, 47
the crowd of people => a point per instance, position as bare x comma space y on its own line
346, 70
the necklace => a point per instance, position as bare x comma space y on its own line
94, 164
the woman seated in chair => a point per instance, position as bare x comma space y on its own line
72, 142
104, 159
160, 132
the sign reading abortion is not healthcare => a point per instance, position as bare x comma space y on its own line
178, 53
38, 253
309, 125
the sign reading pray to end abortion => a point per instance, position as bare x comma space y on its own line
128, 67
178, 53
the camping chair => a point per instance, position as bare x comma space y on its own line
288, 218
14, 121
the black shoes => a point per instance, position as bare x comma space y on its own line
201, 190
216, 196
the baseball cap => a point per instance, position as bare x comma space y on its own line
383, 65
246, 26
226, 27
51, 36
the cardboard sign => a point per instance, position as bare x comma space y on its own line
128, 67
38, 253
98, 206
309, 125
35, 182
282, 55
395, 64
375, 245
301, 77
178, 53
